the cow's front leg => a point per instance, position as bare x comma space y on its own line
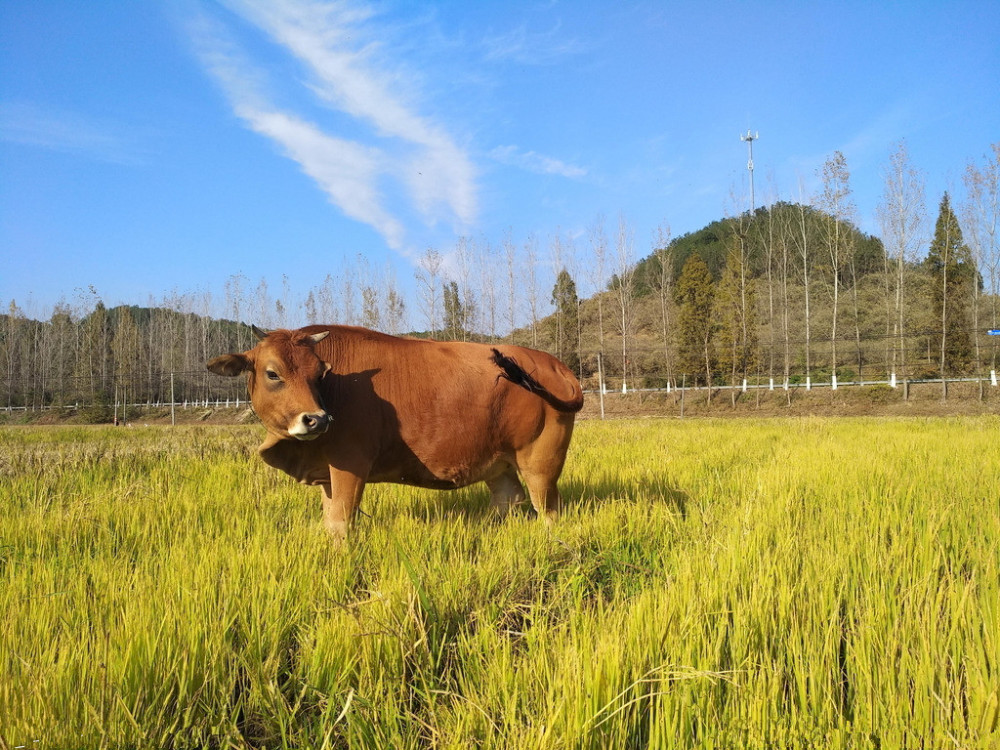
341, 498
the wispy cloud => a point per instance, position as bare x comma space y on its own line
68, 132
351, 74
526, 47
536, 163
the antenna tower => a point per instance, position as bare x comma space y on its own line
750, 138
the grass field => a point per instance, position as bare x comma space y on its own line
717, 584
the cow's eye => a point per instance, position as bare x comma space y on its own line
273, 376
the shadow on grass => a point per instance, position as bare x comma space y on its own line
473, 502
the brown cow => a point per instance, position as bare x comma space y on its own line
345, 406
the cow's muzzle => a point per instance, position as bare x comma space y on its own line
309, 425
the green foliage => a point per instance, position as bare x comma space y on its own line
695, 296
455, 313
949, 263
734, 308
712, 243
164, 588
566, 319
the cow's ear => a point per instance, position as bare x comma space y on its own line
326, 368
230, 364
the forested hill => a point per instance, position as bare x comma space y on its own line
714, 242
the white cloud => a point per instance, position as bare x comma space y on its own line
347, 172
533, 162
353, 76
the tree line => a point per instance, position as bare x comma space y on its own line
793, 292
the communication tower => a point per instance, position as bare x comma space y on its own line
750, 138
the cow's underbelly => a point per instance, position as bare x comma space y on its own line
437, 476
311, 463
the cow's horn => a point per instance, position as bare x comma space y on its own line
260, 333
317, 337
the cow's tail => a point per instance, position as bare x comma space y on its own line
512, 371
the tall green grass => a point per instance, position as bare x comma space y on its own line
785, 583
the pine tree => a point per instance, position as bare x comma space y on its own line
695, 295
950, 265
566, 302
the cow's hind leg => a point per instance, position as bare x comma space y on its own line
506, 492
542, 462
341, 499
544, 495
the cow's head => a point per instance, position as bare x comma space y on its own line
284, 374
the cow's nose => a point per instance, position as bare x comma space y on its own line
315, 422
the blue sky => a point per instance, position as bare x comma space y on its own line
150, 147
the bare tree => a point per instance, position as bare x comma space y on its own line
488, 265
802, 241
901, 216
429, 277
662, 283
531, 284
395, 307
981, 214
261, 305
767, 231
599, 251
625, 290
510, 258
835, 201
464, 259
236, 304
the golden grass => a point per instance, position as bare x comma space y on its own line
781, 583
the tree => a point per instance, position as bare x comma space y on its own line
662, 283
981, 217
395, 306
735, 308
624, 286
901, 218
464, 257
371, 315
767, 232
455, 312
531, 284
488, 262
97, 346
566, 302
599, 248
801, 236
949, 263
125, 349
62, 332
695, 297
510, 258
428, 275
835, 202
